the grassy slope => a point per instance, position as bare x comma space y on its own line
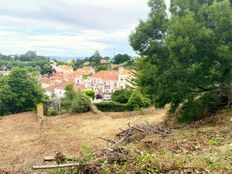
201, 147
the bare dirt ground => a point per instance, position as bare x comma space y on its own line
24, 142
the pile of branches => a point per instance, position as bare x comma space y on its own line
114, 153
135, 132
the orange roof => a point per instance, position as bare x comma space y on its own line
63, 85
106, 75
86, 70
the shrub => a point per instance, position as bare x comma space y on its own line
121, 96
112, 107
69, 92
138, 100
66, 104
81, 103
89, 93
51, 112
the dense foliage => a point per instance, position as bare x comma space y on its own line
19, 92
130, 101
80, 103
121, 96
137, 101
89, 93
94, 61
69, 96
112, 107
121, 58
186, 55
76, 102
30, 61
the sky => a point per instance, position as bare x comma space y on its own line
74, 28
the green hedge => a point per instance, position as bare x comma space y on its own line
121, 96
112, 107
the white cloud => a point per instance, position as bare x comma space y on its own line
68, 27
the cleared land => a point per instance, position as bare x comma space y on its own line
24, 142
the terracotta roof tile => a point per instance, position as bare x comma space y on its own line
106, 75
62, 86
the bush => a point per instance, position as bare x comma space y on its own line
138, 100
197, 109
89, 93
51, 112
81, 103
66, 104
112, 107
121, 96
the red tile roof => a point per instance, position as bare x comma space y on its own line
85, 71
63, 85
106, 75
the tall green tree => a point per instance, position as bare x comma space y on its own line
121, 58
19, 92
186, 55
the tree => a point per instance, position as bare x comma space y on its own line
28, 56
19, 92
6, 97
81, 103
121, 58
96, 54
187, 56
30, 61
102, 67
69, 96
47, 69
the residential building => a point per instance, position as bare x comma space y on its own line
124, 77
59, 89
105, 82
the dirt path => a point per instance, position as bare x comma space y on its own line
24, 143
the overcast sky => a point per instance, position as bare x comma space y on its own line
69, 27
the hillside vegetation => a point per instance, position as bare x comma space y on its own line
203, 147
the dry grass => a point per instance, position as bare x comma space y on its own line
206, 144
24, 142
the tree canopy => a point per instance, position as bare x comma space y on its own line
185, 55
19, 92
121, 58
30, 60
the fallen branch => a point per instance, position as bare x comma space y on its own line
108, 140
138, 129
55, 166
49, 158
122, 139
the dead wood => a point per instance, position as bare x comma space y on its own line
107, 140
55, 166
49, 158
136, 131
